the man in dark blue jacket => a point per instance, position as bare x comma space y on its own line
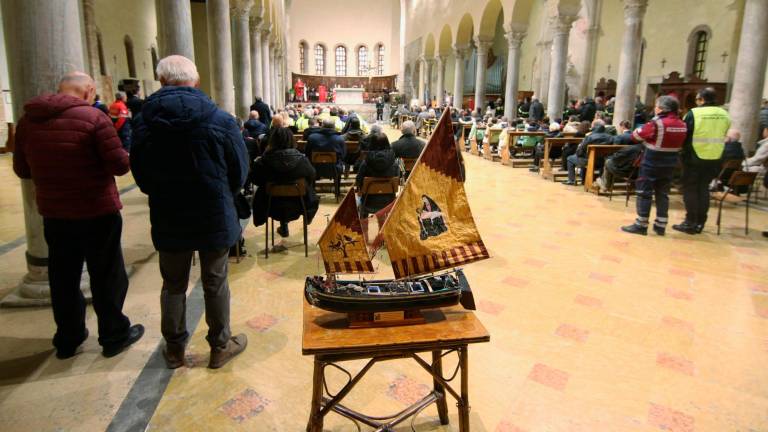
190, 158
327, 140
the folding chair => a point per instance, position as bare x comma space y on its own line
327, 160
296, 189
377, 186
739, 178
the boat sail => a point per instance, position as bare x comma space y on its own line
429, 229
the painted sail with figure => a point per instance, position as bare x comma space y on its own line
342, 245
430, 227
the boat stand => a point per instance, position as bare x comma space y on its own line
323, 402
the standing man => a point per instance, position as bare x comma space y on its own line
190, 158
663, 138
121, 118
536, 110
72, 153
265, 115
702, 153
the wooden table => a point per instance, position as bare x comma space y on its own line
549, 144
593, 152
327, 338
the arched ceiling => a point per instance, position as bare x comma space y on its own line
446, 40
465, 30
488, 21
429, 46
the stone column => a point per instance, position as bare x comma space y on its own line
266, 90
422, 78
44, 42
440, 90
220, 54
460, 52
241, 11
626, 85
175, 28
556, 96
749, 78
256, 79
545, 54
92, 48
585, 85
514, 41
483, 46
430, 63
273, 85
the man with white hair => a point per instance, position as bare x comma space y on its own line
190, 158
408, 146
72, 153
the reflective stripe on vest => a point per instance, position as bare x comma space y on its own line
710, 125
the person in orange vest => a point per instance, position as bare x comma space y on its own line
118, 112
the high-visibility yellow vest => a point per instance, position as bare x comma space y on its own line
710, 125
302, 123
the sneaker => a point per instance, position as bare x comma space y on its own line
601, 185
533, 169
699, 229
174, 356
134, 334
569, 183
283, 230
685, 227
63, 354
234, 346
635, 229
659, 230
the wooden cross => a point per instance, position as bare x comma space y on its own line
724, 55
663, 62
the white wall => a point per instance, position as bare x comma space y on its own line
347, 22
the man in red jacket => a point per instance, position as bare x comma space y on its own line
71, 152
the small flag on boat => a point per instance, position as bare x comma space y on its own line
342, 244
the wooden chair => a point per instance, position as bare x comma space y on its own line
377, 186
301, 145
730, 165
408, 164
630, 186
296, 189
328, 160
352, 148
739, 178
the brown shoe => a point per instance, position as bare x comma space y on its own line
174, 356
234, 346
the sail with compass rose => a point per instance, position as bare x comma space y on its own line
430, 227
342, 244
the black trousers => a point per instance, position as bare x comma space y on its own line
695, 181
96, 241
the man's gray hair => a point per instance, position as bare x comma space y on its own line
329, 123
408, 127
668, 104
177, 70
376, 129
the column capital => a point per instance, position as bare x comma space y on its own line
483, 45
255, 24
561, 24
440, 59
266, 30
515, 38
634, 10
241, 8
461, 51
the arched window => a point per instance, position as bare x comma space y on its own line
129, 56
303, 57
153, 51
341, 61
362, 60
319, 59
380, 59
698, 45
102, 59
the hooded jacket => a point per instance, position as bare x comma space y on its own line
71, 152
378, 163
190, 158
280, 166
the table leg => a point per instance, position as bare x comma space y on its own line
464, 402
442, 403
315, 423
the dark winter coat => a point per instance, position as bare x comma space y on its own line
536, 111
309, 131
598, 136
72, 153
327, 140
353, 135
623, 161
379, 163
255, 128
190, 158
283, 166
588, 110
408, 146
265, 115
763, 121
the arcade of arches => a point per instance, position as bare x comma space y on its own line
591, 329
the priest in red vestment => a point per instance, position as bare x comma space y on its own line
323, 91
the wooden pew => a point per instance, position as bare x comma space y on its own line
491, 134
549, 144
465, 128
512, 136
300, 145
593, 152
473, 149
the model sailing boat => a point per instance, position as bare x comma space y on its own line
429, 229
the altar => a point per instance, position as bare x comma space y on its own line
350, 96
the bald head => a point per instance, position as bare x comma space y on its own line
79, 85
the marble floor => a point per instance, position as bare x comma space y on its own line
591, 329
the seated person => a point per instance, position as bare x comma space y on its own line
478, 130
408, 145
757, 162
579, 158
353, 133
254, 127
572, 127
569, 149
624, 134
530, 141
282, 163
554, 153
733, 151
619, 165
327, 140
302, 123
313, 126
464, 119
379, 162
